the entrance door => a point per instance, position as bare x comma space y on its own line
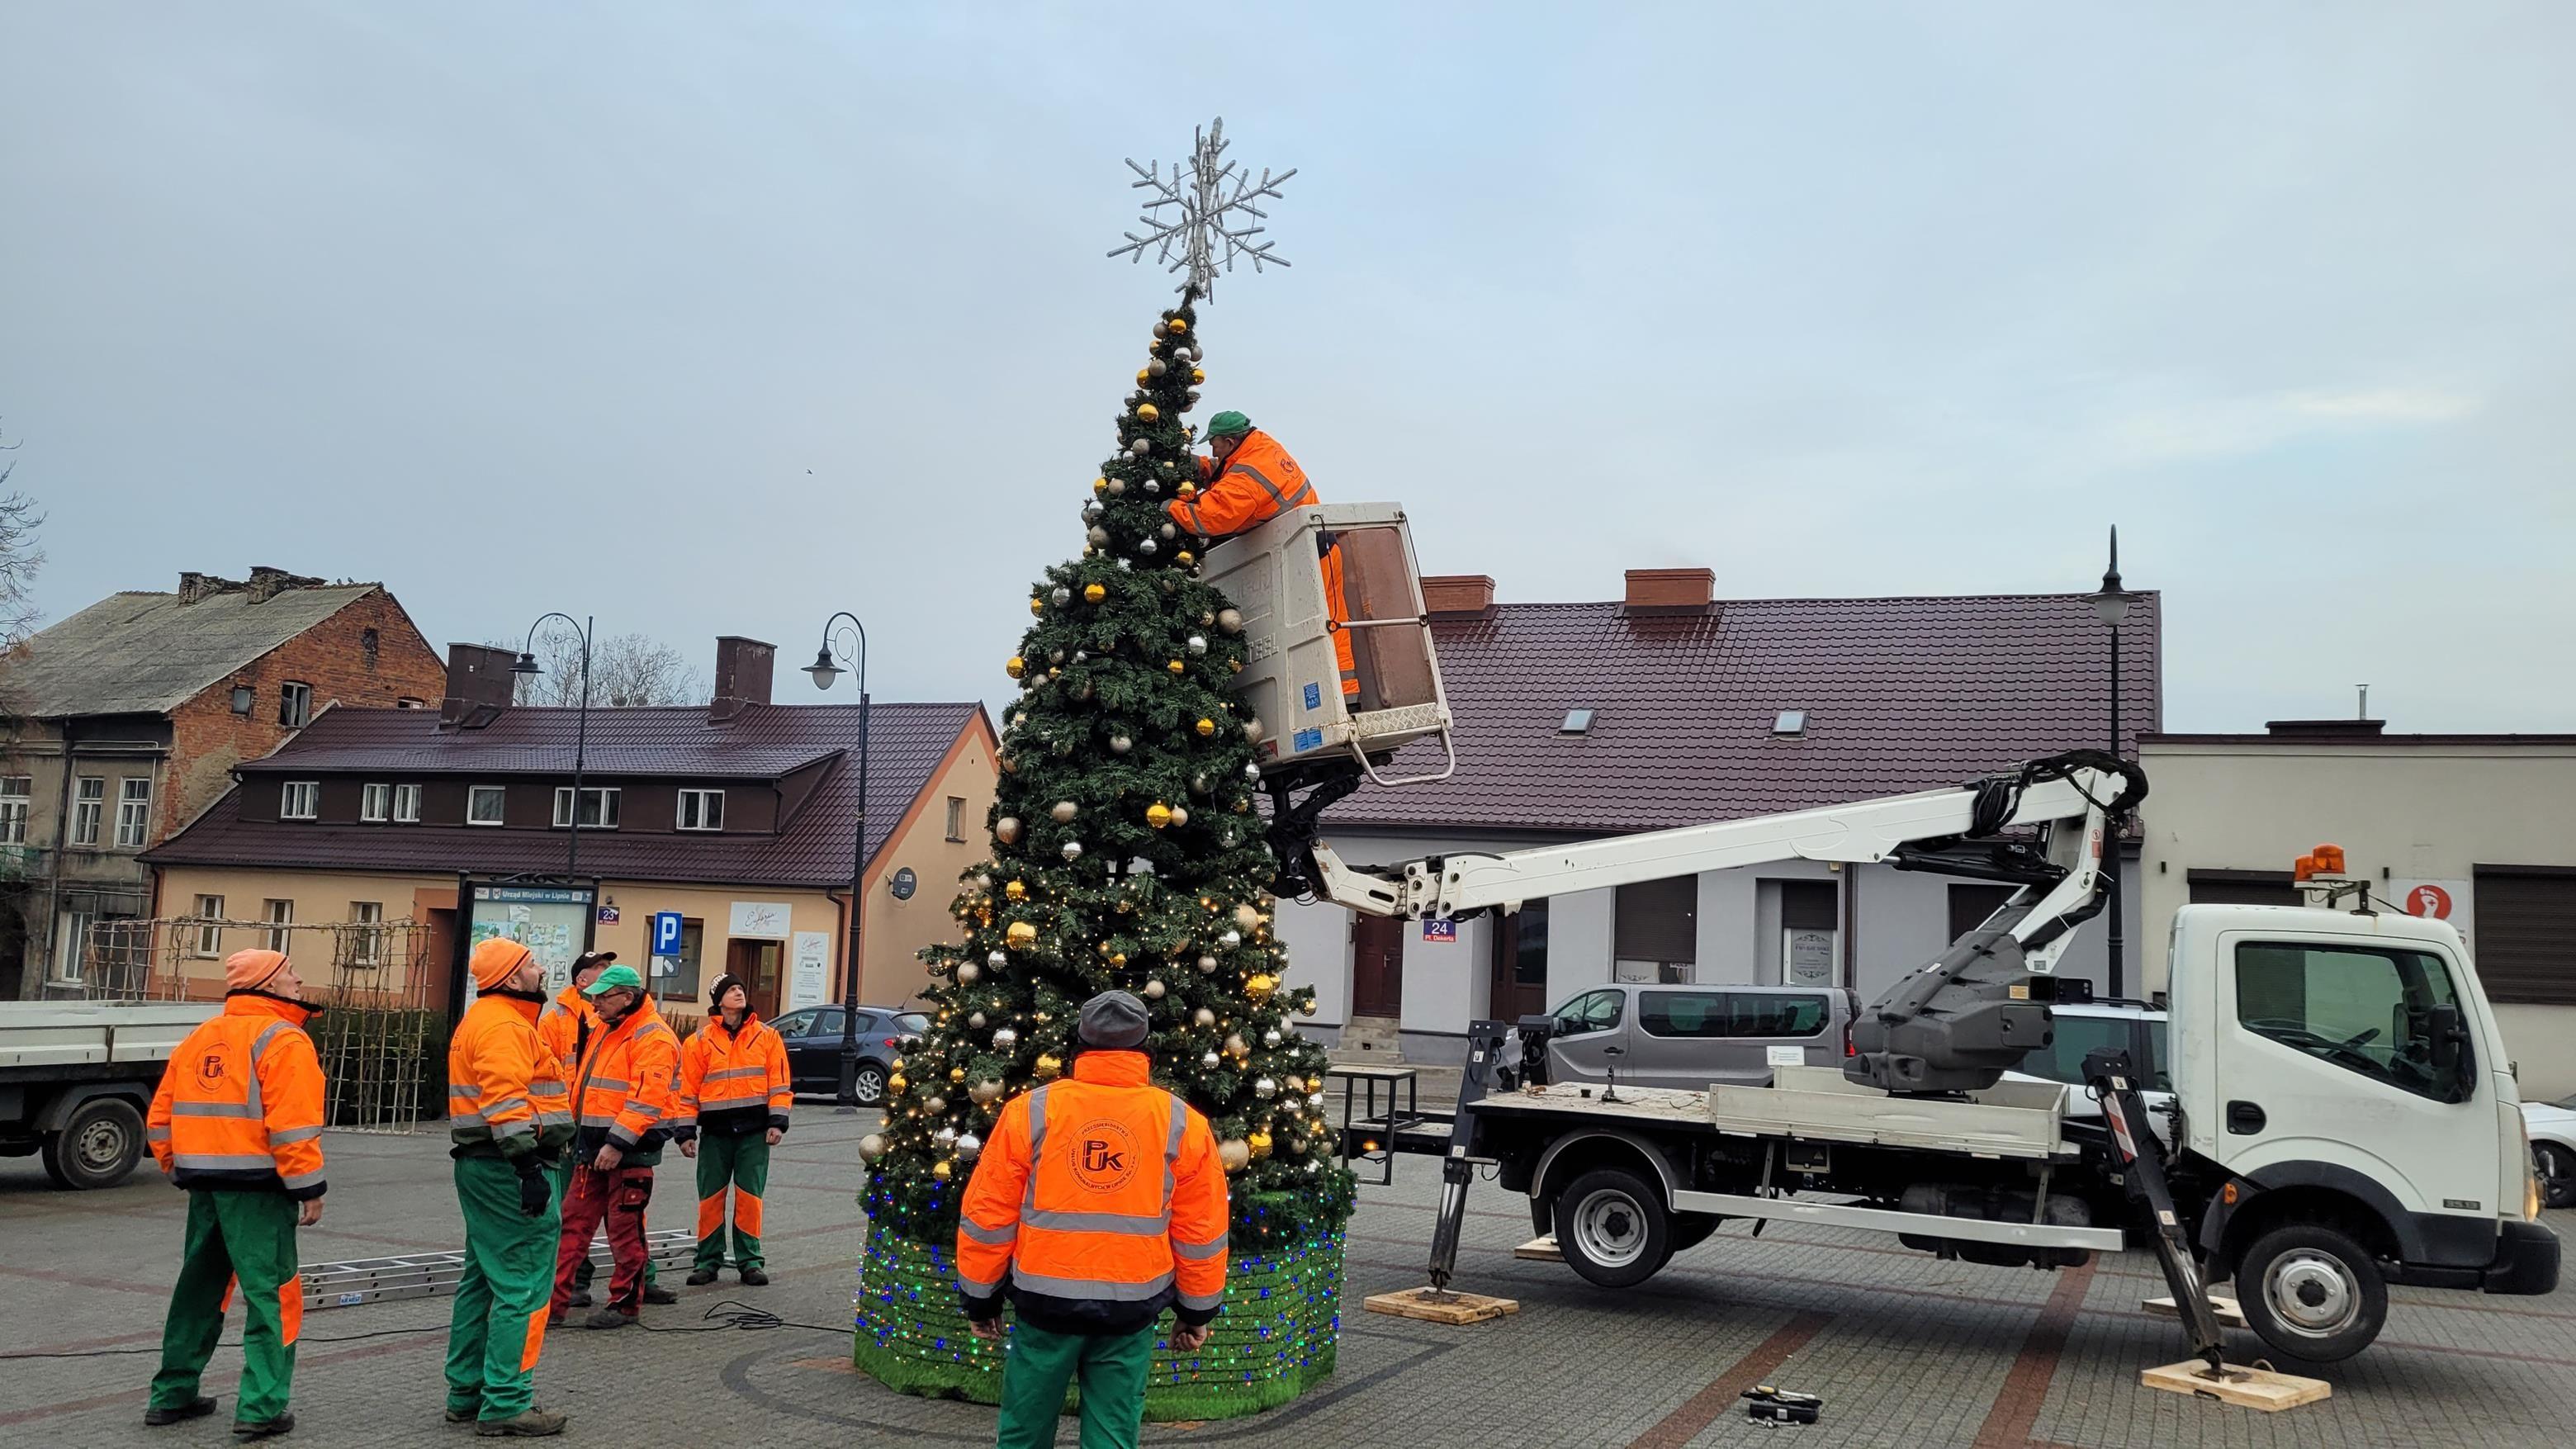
1520, 964
1377, 966
757, 963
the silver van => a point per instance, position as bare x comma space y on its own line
1688, 1037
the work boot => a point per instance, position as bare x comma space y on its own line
528, 1424
580, 1298
266, 1428
656, 1293
702, 1277
608, 1318
754, 1278
196, 1408
463, 1416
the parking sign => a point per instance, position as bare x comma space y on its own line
666, 933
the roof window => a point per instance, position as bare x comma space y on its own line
1577, 722
1790, 724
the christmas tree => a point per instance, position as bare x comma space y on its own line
1126, 854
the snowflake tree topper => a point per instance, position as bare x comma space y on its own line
1203, 216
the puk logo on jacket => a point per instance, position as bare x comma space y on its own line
1106, 1160
210, 1069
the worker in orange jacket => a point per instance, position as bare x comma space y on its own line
566, 1025
623, 1091
238, 1123
1098, 1203
735, 1095
1249, 481
509, 1116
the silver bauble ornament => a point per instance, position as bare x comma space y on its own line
1117, 486
1004, 1038
1230, 620
1207, 965
872, 1146
1180, 815
976, 1021
1081, 655
1168, 530
1236, 1046
1199, 783
1154, 989
1231, 938
933, 1106
985, 1091
1147, 547
1093, 512
1098, 535
1007, 829
1252, 730
1072, 851
1120, 744
1153, 489
1316, 1101
969, 974
1270, 1038
968, 1144
1252, 771
1140, 448
1203, 1017
1063, 811
1197, 644
1156, 367
1059, 596
1265, 1088
1208, 1059
997, 959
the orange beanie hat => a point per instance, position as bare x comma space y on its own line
250, 970
493, 961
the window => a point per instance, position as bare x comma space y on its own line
957, 817
678, 979
367, 646
295, 704
1731, 1013
2072, 1037
483, 805
1577, 722
794, 1024
2527, 934
299, 800
89, 799
16, 792
281, 914
2242, 888
133, 811
912, 1023
598, 808
367, 942
1592, 1011
1655, 935
74, 946
209, 942
2370, 1012
1682, 1013
376, 803
829, 1022
1790, 724
701, 810
406, 804
407, 702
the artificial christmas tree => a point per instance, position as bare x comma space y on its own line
1127, 853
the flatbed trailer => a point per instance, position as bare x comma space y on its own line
76, 1078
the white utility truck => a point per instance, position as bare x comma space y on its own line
76, 1078
2345, 1116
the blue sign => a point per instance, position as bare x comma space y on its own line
666, 933
1307, 740
1314, 696
1435, 928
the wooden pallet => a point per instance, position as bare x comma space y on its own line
1433, 1306
2252, 1388
1540, 1250
2228, 1313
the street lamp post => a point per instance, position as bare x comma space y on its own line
826, 671
2111, 605
527, 664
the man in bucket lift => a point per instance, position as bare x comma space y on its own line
1249, 481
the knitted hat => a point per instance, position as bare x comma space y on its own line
613, 978
1229, 424
493, 961
1114, 1021
725, 983
250, 970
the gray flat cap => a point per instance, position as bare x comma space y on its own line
1113, 1021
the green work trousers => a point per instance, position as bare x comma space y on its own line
499, 1323
1111, 1370
561, 1176
246, 1237
741, 1163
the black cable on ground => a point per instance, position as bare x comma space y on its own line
731, 1313
300, 1341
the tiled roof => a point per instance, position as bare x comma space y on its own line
146, 653
906, 744
1900, 694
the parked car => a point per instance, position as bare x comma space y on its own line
813, 1036
2082, 1027
2552, 1126
1688, 1037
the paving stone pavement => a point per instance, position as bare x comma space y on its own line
1905, 1349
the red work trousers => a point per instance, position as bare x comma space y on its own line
616, 1197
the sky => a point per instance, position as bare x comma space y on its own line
707, 320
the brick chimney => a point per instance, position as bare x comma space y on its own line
1458, 596
267, 583
743, 669
1671, 591
479, 686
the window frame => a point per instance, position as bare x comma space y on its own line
610, 808
209, 942
133, 824
500, 793
957, 817
17, 807
2464, 1078
89, 808
376, 803
406, 803
699, 797
368, 945
280, 937
287, 796
294, 704
1618, 1014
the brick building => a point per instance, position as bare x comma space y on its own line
123, 722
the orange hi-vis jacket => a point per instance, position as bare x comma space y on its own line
560, 1027
505, 1090
240, 1105
1099, 1200
624, 1089
1257, 482
733, 1082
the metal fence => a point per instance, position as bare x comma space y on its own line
382, 1029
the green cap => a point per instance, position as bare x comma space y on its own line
1229, 424
613, 978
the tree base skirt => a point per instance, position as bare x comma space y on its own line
1276, 1338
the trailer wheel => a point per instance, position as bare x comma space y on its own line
99, 1144
1611, 1227
2311, 1292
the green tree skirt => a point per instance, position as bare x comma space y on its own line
1276, 1337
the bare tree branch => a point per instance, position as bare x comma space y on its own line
20, 558
626, 671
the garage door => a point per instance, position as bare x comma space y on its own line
2526, 934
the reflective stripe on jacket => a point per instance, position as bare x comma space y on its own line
240, 1105
732, 1081
1257, 482
628, 1078
1099, 1200
505, 1090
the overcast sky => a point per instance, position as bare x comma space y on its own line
713, 319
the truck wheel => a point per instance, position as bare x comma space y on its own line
1611, 1227
2311, 1292
98, 1146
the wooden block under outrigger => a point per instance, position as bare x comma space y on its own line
1541, 1250
2253, 1388
2225, 1307
1432, 1305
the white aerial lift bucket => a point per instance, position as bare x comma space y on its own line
1291, 680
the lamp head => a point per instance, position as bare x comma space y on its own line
823, 670
526, 664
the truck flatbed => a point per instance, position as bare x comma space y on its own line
1815, 1104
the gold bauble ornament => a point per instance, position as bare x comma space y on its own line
1117, 958
1037, 606
1148, 411
1099, 485
1234, 1153
942, 1170
1236, 1046
1158, 815
1185, 558
1198, 374
1261, 985
1259, 1142
1249, 917
1093, 593
1176, 666
985, 1091
1014, 890
1015, 666
1189, 489
1021, 935
956, 1074
896, 1083
1177, 325
1050, 1065
872, 1147
1205, 727
1143, 373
